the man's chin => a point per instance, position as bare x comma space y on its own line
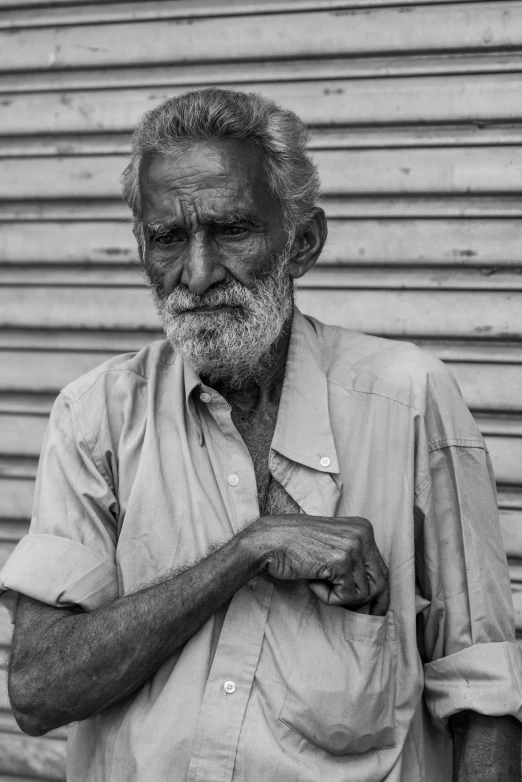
190, 327
195, 335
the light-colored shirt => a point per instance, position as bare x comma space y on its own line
142, 470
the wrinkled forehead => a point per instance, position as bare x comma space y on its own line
217, 175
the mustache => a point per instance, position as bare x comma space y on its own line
227, 294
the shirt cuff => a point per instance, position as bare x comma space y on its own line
58, 571
486, 678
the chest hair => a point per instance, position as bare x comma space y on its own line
257, 429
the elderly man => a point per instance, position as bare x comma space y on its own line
204, 591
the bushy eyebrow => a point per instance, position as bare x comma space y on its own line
238, 217
157, 228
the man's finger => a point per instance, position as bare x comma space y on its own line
345, 590
360, 579
381, 604
341, 592
373, 557
380, 591
375, 567
322, 590
378, 585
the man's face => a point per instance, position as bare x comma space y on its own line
208, 216
214, 251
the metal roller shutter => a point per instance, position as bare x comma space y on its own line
418, 135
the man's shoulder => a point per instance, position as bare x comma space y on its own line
397, 370
120, 375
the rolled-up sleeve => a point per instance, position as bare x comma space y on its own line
471, 659
68, 557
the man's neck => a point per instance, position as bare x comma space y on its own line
265, 390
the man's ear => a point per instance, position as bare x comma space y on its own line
308, 244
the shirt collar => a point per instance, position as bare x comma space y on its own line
191, 381
303, 432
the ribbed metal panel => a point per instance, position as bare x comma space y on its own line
418, 136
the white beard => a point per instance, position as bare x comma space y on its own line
231, 346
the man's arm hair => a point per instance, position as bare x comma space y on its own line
66, 665
485, 749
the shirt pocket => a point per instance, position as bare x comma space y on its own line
341, 686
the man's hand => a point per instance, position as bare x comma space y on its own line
485, 749
338, 556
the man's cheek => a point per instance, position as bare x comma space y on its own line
152, 278
164, 276
247, 267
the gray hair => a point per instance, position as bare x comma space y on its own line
292, 176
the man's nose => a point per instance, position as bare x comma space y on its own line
201, 269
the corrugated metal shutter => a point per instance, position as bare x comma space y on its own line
417, 113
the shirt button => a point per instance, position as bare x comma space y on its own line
324, 461
205, 397
233, 479
229, 687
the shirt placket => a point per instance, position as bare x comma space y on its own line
231, 461
235, 662
229, 685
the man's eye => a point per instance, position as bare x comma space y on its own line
233, 230
167, 239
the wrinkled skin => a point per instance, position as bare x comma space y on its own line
196, 199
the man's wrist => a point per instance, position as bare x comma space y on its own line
254, 548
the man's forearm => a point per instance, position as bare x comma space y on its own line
67, 666
85, 662
486, 749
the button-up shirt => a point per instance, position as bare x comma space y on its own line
142, 470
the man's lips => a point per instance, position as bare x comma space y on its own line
207, 310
